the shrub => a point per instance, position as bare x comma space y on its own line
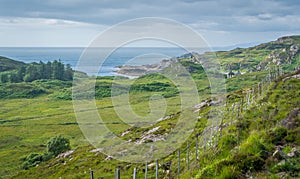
63, 94
229, 173
57, 145
32, 160
293, 136
228, 141
277, 135
291, 166
248, 162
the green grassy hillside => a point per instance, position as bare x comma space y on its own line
258, 132
245, 148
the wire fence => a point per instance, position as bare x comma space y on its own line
182, 160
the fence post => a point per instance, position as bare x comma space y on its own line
242, 104
92, 174
188, 155
252, 101
204, 134
146, 170
134, 173
117, 175
197, 135
262, 88
156, 171
178, 171
170, 170
248, 99
239, 108
258, 90
231, 119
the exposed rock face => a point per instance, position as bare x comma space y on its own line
284, 55
145, 69
294, 153
149, 136
294, 49
65, 154
290, 77
291, 121
286, 39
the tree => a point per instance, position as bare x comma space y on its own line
4, 78
21, 73
48, 70
61, 70
57, 145
14, 78
41, 69
32, 73
55, 70
68, 74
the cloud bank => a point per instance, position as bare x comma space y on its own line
76, 22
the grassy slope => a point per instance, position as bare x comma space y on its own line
255, 137
26, 124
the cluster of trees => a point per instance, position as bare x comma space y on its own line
35, 71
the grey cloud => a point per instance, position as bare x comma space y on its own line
210, 15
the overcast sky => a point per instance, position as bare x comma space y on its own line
78, 22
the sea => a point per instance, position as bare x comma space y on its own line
111, 62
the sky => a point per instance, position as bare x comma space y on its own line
75, 23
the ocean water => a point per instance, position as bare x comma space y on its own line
121, 56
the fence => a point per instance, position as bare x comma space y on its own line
188, 157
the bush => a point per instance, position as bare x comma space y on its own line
248, 162
20, 90
63, 94
277, 136
291, 166
228, 141
32, 160
229, 172
57, 145
293, 136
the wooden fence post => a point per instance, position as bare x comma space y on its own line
92, 174
178, 171
252, 100
197, 135
239, 110
134, 173
156, 170
205, 139
232, 114
188, 155
146, 170
258, 90
117, 174
170, 170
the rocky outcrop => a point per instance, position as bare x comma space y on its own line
285, 55
65, 154
291, 77
292, 120
149, 136
145, 69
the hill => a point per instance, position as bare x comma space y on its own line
283, 52
258, 136
257, 139
7, 64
